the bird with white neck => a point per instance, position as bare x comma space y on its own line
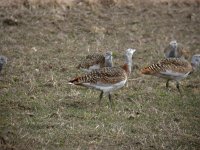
107, 79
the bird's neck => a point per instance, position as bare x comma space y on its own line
175, 49
109, 63
128, 64
127, 68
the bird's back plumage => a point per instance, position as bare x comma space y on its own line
173, 68
93, 61
105, 79
106, 75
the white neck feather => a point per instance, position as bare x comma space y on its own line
128, 61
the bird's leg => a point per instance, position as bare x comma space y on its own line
127, 84
167, 84
100, 97
178, 87
110, 100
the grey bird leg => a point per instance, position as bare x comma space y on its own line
110, 100
167, 84
100, 97
126, 84
178, 87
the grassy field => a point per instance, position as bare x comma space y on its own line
39, 110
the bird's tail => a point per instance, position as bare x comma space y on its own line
78, 66
146, 70
75, 81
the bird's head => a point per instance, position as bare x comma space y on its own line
108, 55
173, 44
130, 52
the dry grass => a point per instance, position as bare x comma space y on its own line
71, 3
39, 110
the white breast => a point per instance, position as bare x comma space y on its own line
169, 74
106, 87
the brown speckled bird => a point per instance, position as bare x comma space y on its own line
170, 69
107, 79
96, 61
176, 50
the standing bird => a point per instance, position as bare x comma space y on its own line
3, 60
96, 61
170, 69
176, 50
107, 79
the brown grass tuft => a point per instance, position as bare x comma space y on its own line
70, 3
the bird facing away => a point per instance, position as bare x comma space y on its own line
96, 61
170, 69
196, 61
3, 60
176, 50
107, 79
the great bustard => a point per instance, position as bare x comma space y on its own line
176, 50
107, 79
170, 69
3, 61
96, 61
